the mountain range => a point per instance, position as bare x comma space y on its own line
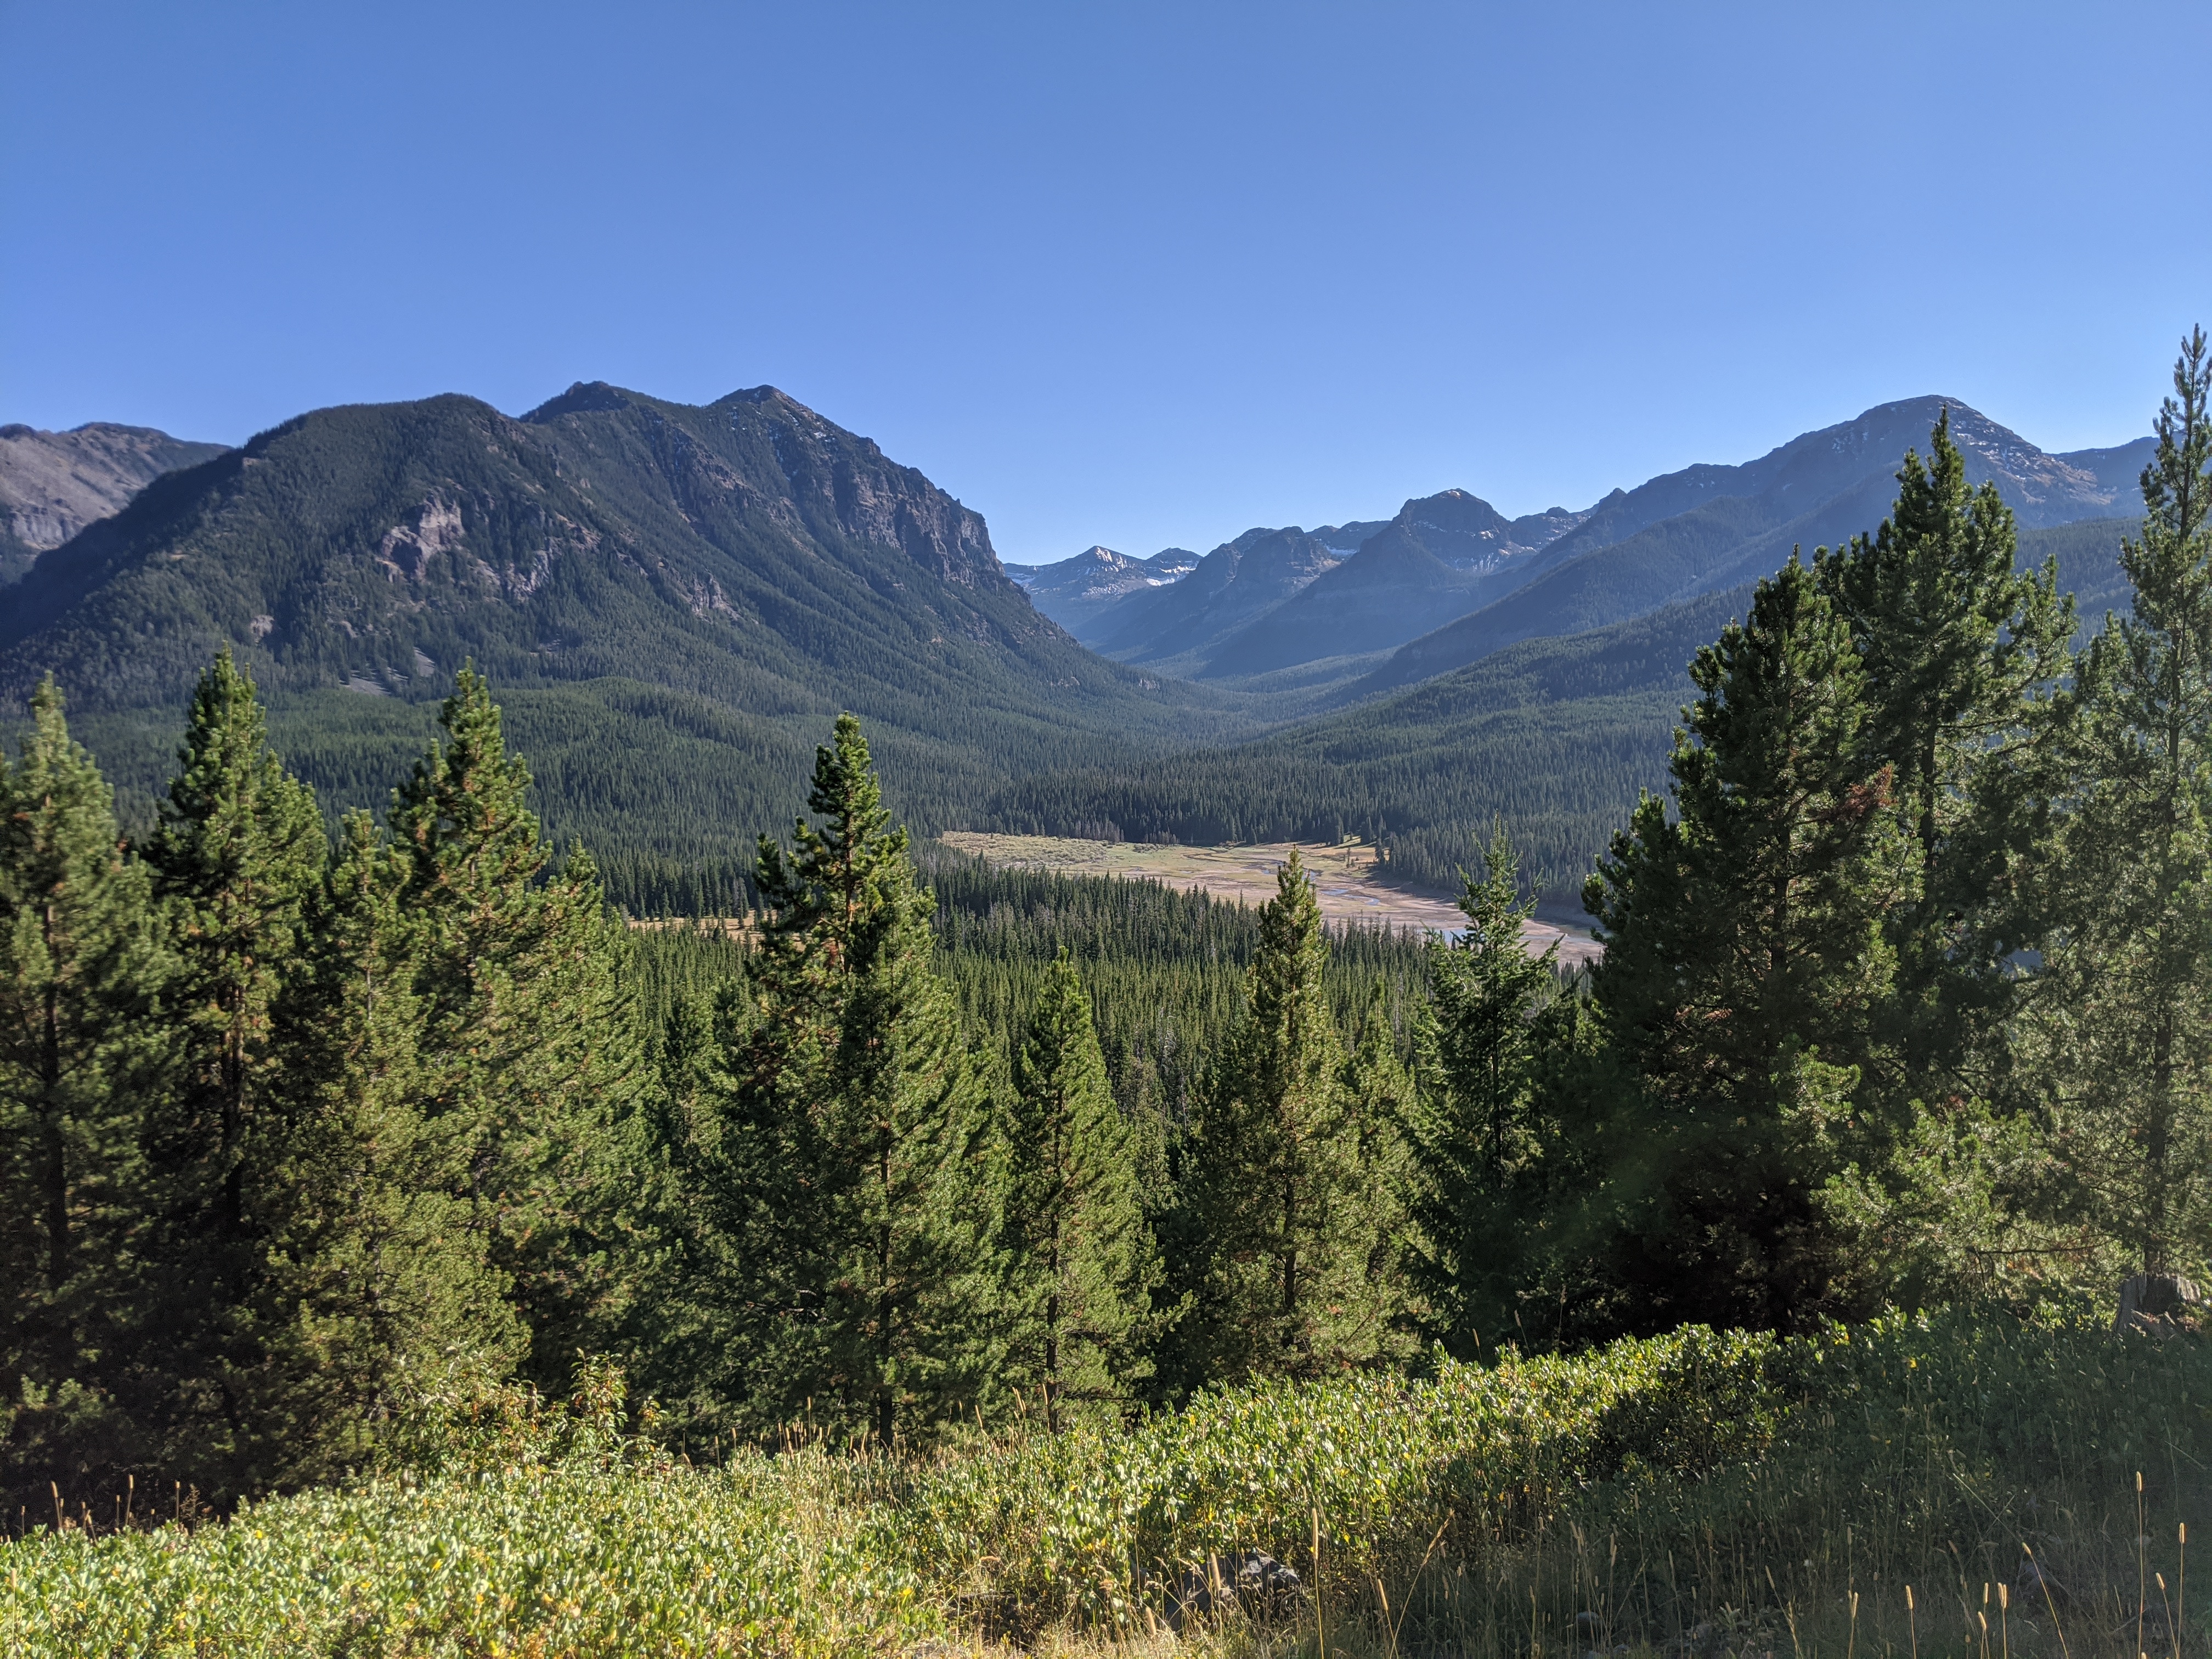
673, 600
1362, 608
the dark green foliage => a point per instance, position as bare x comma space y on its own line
80, 967
1081, 1265
1959, 648
238, 859
846, 1169
1471, 1130
1280, 1185
527, 1039
1746, 978
2123, 1028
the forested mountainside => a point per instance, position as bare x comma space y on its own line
1710, 528
1556, 735
52, 484
670, 599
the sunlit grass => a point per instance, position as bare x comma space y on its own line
1695, 1493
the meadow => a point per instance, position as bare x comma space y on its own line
1969, 1484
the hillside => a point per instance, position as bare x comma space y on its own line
672, 602
54, 483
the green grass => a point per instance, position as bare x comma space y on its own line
1732, 1493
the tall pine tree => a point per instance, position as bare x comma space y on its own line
529, 1045
1959, 651
1746, 978
1280, 1200
1081, 1264
237, 859
2123, 1012
849, 1175
1471, 1130
80, 970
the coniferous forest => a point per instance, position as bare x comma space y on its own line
312, 1135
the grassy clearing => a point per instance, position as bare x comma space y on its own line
1694, 1494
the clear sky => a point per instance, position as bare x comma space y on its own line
1138, 274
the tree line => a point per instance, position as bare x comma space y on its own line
1902, 1002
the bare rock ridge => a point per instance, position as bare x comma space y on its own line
52, 484
1073, 591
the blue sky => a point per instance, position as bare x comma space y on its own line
1144, 275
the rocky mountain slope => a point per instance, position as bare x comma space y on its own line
1075, 591
673, 601
52, 484
1443, 556
1175, 628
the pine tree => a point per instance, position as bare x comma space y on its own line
1959, 651
1273, 1179
848, 1168
1472, 1131
377, 1289
80, 970
1081, 1262
529, 1038
237, 858
1746, 977
2123, 1016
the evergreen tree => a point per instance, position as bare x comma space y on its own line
1958, 650
1472, 1130
529, 1040
1746, 977
847, 1173
1081, 1262
377, 1289
237, 857
79, 966
2124, 1010
1278, 1198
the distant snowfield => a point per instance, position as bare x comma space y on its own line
1343, 879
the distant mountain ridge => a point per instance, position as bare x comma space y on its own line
1073, 591
52, 484
1710, 527
1451, 580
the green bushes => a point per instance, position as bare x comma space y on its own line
1741, 1483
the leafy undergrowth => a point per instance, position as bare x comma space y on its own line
1694, 1493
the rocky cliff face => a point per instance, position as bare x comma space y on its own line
52, 484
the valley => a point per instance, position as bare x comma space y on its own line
1344, 877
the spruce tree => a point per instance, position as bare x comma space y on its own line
1746, 979
1472, 1129
80, 969
237, 857
529, 1042
377, 1289
1081, 1262
1278, 1198
848, 1174
2123, 1012
1959, 651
